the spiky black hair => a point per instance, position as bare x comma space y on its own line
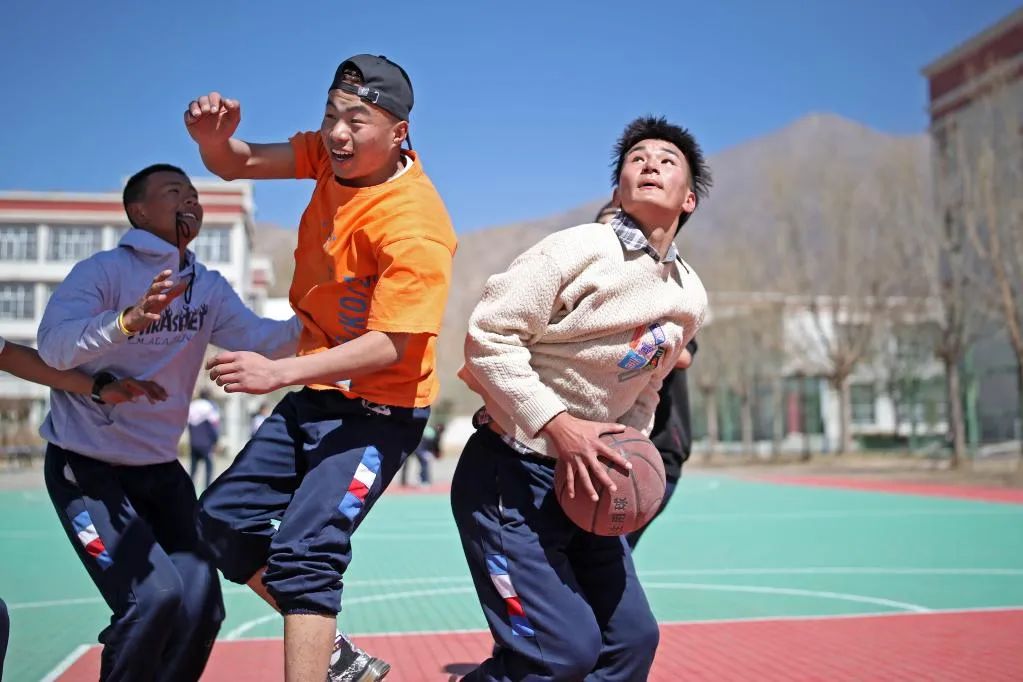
658, 128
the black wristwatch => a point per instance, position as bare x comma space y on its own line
99, 382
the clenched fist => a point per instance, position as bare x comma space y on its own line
212, 119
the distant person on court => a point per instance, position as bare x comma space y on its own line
25, 363
259, 417
148, 309
203, 433
427, 451
372, 272
672, 432
572, 342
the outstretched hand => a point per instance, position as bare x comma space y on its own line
161, 292
212, 118
245, 372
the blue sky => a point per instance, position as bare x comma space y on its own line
517, 103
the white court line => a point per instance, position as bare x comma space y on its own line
452, 536
87, 600
851, 513
54, 602
16, 535
846, 616
255, 622
706, 621
820, 594
835, 570
385, 533
66, 662
388, 529
821, 570
79, 651
32, 496
412, 581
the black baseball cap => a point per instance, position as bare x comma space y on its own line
384, 83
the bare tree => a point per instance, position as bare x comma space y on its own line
705, 374
937, 247
737, 340
961, 319
836, 252
708, 388
985, 174
769, 335
906, 357
759, 362
936, 302
740, 351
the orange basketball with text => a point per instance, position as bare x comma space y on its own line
639, 494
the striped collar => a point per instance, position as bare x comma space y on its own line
633, 239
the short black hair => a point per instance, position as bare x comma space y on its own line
135, 188
658, 128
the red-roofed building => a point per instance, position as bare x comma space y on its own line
43, 234
976, 110
959, 80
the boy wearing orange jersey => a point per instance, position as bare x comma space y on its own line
373, 267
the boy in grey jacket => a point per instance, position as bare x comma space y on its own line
125, 502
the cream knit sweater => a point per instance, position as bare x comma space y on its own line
578, 323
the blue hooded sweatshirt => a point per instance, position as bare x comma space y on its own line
79, 329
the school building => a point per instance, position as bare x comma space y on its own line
42, 236
975, 94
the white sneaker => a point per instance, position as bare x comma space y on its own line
349, 663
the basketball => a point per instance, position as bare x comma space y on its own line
639, 495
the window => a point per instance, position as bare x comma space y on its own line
923, 403
862, 398
18, 242
213, 245
74, 242
17, 301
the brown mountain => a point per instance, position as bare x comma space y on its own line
735, 219
810, 155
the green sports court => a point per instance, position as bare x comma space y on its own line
750, 578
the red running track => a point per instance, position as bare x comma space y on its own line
963, 645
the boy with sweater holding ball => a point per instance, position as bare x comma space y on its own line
571, 342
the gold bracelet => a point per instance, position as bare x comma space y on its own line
120, 324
